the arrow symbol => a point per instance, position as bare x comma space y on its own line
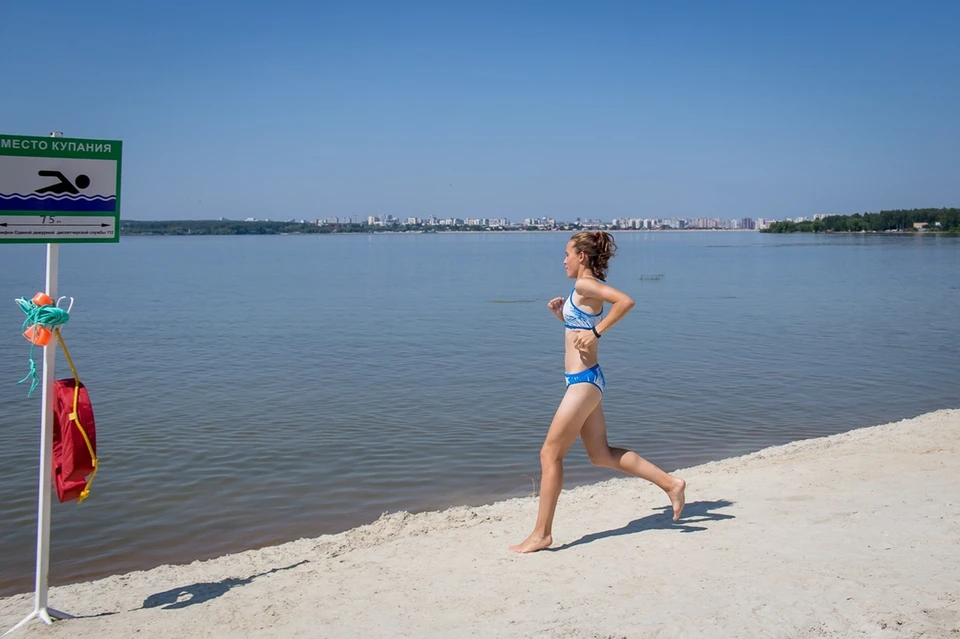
57, 225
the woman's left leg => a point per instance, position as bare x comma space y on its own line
594, 437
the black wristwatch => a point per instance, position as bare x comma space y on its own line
594, 329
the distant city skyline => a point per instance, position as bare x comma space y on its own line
521, 110
637, 223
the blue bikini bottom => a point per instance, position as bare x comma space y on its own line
592, 375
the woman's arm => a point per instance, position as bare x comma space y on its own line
620, 305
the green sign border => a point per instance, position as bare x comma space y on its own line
69, 148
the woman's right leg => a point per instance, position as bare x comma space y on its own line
578, 402
594, 437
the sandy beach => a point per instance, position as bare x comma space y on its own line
853, 535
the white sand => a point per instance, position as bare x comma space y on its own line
855, 535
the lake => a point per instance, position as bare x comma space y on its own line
252, 390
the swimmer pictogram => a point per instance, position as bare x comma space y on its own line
58, 185
64, 185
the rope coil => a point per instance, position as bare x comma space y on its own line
40, 319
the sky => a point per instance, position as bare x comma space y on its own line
591, 110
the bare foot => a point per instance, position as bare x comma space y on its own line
677, 498
533, 543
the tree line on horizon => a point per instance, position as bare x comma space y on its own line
938, 220
225, 227
236, 227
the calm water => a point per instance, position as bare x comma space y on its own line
253, 390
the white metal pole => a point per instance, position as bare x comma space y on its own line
46, 447
40, 609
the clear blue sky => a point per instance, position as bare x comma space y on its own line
498, 109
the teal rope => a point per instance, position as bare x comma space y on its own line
48, 316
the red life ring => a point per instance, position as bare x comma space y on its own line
74, 441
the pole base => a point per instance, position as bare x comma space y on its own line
46, 615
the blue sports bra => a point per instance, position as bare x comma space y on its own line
576, 318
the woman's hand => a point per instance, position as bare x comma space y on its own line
556, 306
583, 340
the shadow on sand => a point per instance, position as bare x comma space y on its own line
694, 513
204, 591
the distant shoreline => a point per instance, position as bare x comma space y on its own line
900, 222
127, 233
